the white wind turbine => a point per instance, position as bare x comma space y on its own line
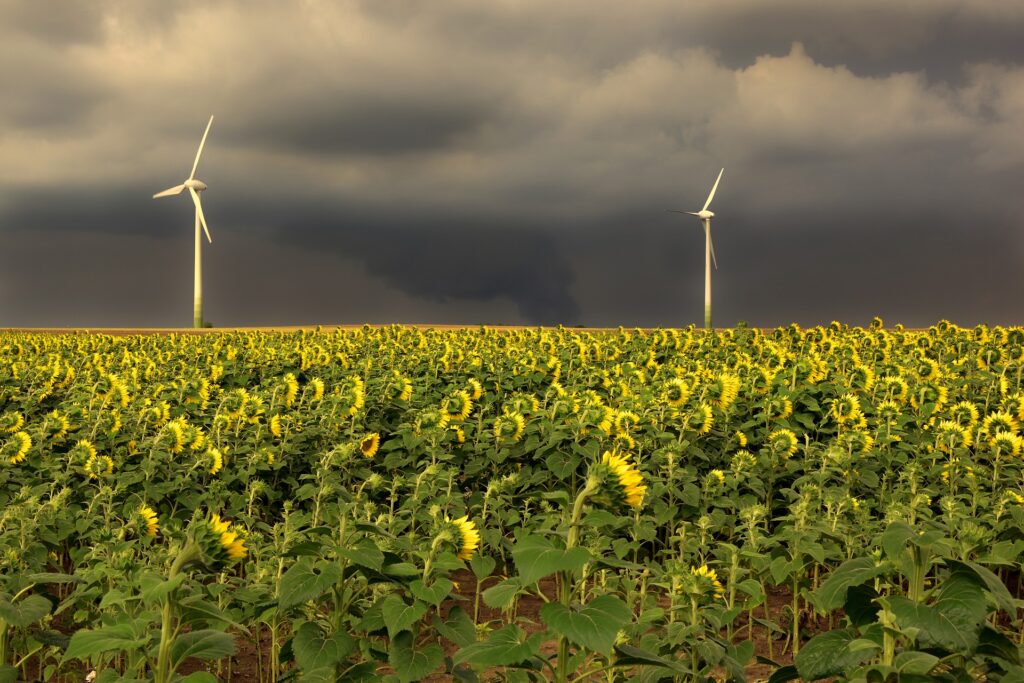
705, 217
195, 186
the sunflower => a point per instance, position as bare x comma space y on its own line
999, 421
468, 536
458, 405
476, 390
56, 425
148, 517
291, 389
676, 392
99, 465
275, 426
741, 438
11, 422
895, 388
723, 390
369, 444
509, 427
1005, 443
701, 419
783, 441
82, 451
318, 388
709, 578
716, 477
625, 421
216, 460
845, 408
949, 435
628, 479
220, 540
17, 447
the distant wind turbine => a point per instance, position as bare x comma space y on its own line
195, 186
705, 217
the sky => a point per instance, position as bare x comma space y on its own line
512, 162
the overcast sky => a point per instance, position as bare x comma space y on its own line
459, 161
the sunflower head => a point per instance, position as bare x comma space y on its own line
999, 421
369, 444
1005, 444
782, 442
845, 408
676, 392
16, 448
508, 428
213, 460
707, 582
220, 541
949, 435
622, 480
10, 422
467, 536
146, 521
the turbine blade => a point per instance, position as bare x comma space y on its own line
711, 243
200, 152
169, 191
691, 213
712, 195
199, 212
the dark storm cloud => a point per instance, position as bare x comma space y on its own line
389, 123
458, 161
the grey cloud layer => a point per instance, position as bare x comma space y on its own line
518, 156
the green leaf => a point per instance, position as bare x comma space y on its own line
412, 665
992, 582
501, 595
536, 557
784, 674
305, 581
914, 662
482, 566
25, 612
458, 627
894, 539
205, 644
593, 626
399, 616
118, 637
433, 594
507, 646
9, 674
828, 654
313, 649
953, 622
627, 655
366, 554
198, 677
831, 594
154, 588
860, 606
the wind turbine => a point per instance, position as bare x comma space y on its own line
194, 187
705, 217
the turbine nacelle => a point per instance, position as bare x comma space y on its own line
194, 184
705, 215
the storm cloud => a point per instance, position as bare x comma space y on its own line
465, 162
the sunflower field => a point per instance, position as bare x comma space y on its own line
404, 504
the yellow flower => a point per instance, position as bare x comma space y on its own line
318, 388
629, 479
1005, 443
97, 466
149, 520
216, 460
676, 392
476, 389
458, 405
845, 408
741, 438
275, 426
999, 421
291, 389
709, 575
469, 537
783, 441
11, 422
717, 476
369, 445
17, 447
230, 542
509, 427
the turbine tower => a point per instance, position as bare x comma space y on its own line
705, 217
195, 186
